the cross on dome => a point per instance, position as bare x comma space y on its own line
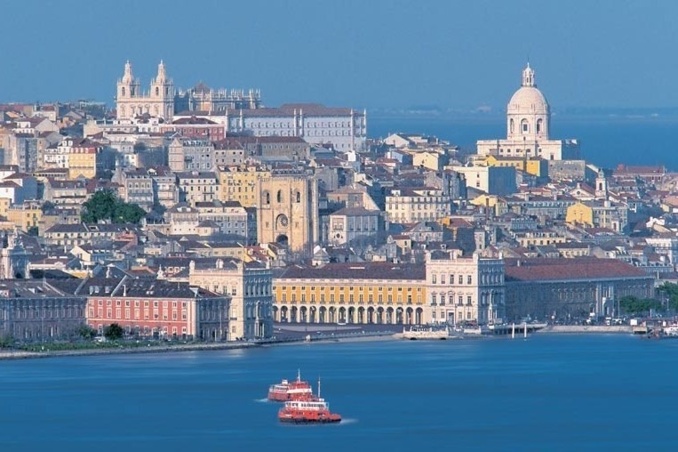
528, 76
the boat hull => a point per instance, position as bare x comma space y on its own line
333, 419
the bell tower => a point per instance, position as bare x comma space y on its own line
162, 94
129, 90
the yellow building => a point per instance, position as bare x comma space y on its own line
579, 213
82, 162
25, 217
432, 160
541, 237
240, 183
4, 206
535, 166
359, 293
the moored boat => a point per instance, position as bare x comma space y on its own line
426, 332
314, 410
290, 390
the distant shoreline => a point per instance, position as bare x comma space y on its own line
555, 329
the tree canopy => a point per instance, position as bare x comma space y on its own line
634, 305
105, 205
670, 290
113, 332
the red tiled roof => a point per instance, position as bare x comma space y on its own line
361, 270
543, 269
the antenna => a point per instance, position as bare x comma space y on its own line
298, 374
318, 387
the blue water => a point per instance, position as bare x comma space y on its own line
604, 141
543, 393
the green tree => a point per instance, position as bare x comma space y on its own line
670, 290
113, 332
128, 213
105, 205
86, 332
634, 305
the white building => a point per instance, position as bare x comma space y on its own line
131, 102
464, 289
493, 180
344, 128
528, 120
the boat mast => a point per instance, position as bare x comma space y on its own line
298, 374
318, 387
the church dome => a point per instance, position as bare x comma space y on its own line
528, 99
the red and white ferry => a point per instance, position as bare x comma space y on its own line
310, 411
294, 390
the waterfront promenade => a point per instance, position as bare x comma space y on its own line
293, 334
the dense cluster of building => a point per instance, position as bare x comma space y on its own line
256, 215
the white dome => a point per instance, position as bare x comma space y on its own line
528, 100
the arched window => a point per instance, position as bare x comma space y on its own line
279, 196
539, 125
298, 196
122, 91
511, 126
157, 91
524, 126
267, 197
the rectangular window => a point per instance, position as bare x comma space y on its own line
461, 300
461, 279
434, 279
442, 279
468, 300
469, 279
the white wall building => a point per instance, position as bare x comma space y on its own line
464, 289
528, 120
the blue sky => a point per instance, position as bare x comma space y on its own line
360, 53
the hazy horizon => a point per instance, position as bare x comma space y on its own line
377, 55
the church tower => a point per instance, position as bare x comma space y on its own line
129, 90
287, 212
162, 94
601, 185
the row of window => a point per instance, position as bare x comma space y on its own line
351, 299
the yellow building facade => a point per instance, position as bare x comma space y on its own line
240, 183
24, 217
535, 166
579, 213
353, 293
82, 162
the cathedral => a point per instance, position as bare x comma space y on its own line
131, 102
528, 120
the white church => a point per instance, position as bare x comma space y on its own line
528, 120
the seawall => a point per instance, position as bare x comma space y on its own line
587, 329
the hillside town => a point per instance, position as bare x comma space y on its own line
205, 214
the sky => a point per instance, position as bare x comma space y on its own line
353, 53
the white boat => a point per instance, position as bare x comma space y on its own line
670, 331
427, 332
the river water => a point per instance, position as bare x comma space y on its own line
546, 392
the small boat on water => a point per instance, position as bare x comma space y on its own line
290, 390
427, 332
670, 331
314, 410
